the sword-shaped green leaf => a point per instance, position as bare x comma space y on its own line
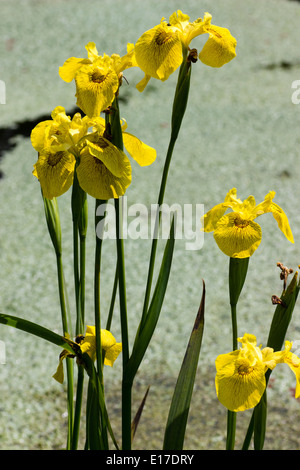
38, 330
146, 331
179, 409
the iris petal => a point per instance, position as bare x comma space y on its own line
55, 172
219, 49
158, 51
142, 153
237, 238
95, 88
239, 385
96, 179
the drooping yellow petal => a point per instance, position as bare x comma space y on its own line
158, 51
279, 215
96, 86
142, 153
109, 155
59, 374
55, 172
220, 47
143, 83
97, 180
112, 353
293, 361
236, 237
282, 222
239, 385
108, 344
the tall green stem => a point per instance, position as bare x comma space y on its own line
80, 222
178, 111
231, 415
117, 140
54, 229
66, 330
126, 386
102, 430
238, 268
78, 405
97, 271
113, 299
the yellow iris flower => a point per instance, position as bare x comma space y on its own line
97, 78
108, 343
88, 345
159, 51
240, 378
55, 141
236, 233
103, 171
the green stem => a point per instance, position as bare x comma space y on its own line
80, 299
122, 281
76, 274
231, 425
77, 414
126, 387
80, 222
178, 111
156, 227
82, 262
97, 311
66, 331
249, 433
234, 327
97, 307
113, 298
231, 415
238, 268
117, 140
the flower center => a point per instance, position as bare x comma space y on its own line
98, 77
162, 38
54, 158
243, 366
241, 223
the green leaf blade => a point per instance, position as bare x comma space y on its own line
179, 409
38, 330
148, 326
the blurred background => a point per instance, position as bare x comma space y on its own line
241, 129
